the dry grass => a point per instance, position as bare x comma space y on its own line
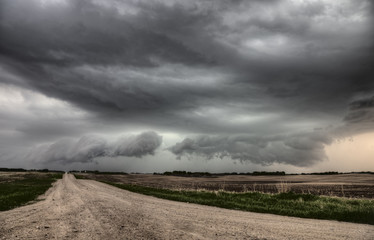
344, 185
283, 187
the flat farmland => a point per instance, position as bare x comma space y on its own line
19, 188
341, 185
86, 209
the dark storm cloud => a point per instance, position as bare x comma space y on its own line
49, 52
137, 146
299, 150
87, 148
214, 68
42, 130
361, 111
302, 149
82, 33
87, 34
359, 118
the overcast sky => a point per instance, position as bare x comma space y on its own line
143, 86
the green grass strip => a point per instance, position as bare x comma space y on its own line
288, 204
18, 192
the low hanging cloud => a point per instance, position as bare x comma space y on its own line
87, 148
301, 149
304, 149
137, 146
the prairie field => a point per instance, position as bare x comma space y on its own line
340, 185
86, 209
19, 188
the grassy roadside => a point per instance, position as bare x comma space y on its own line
288, 204
17, 192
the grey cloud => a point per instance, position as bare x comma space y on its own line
87, 148
358, 119
137, 146
193, 34
47, 130
83, 33
362, 104
304, 149
221, 68
360, 111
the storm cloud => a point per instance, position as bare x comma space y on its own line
87, 148
255, 81
299, 150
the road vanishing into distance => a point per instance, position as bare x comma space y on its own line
87, 209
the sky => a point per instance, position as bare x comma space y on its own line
219, 86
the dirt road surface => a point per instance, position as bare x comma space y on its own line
86, 209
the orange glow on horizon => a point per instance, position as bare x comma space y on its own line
356, 154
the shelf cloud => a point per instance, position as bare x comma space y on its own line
87, 148
299, 150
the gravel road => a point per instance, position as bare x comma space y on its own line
86, 209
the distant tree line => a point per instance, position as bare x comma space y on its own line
277, 173
28, 170
187, 174
334, 173
322, 173
97, 172
255, 173
208, 174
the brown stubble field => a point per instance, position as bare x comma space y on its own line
12, 176
341, 185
